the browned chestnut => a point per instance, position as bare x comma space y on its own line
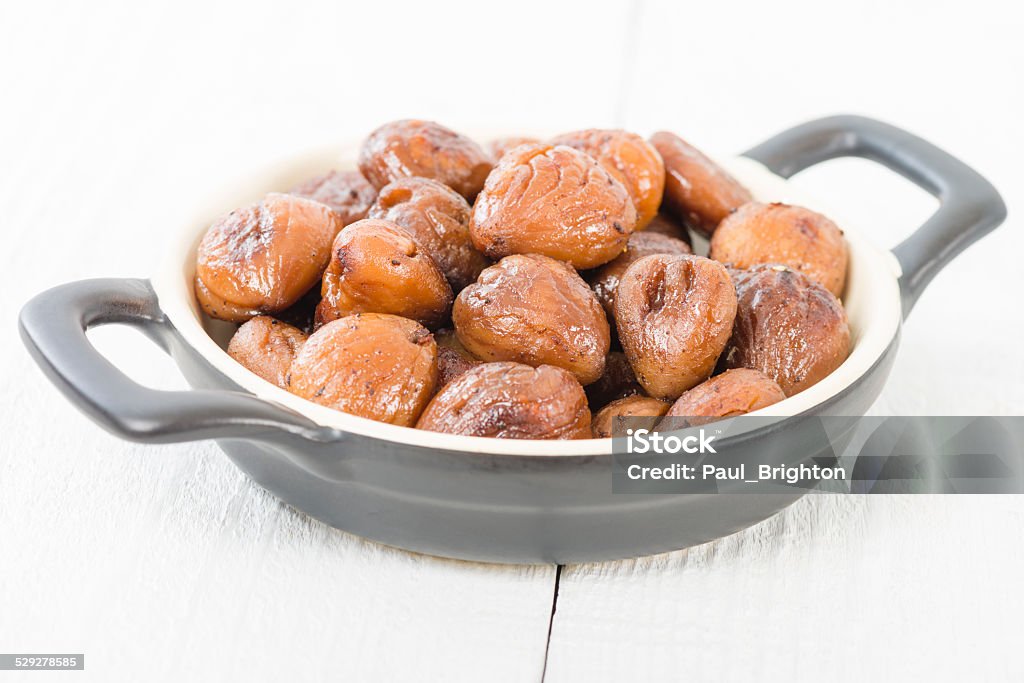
410, 148
382, 367
698, 191
787, 326
535, 310
511, 401
734, 392
377, 267
781, 233
674, 314
348, 193
438, 218
631, 159
267, 347
605, 280
555, 201
631, 406
264, 257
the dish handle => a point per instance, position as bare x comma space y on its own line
53, 327
969, 206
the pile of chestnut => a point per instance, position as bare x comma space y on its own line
510, 292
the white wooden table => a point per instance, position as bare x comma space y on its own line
167, 564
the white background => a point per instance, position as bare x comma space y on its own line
167, 564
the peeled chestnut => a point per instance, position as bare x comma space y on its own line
555, 201
348, 193
438, 218
790, 235
631, 159
631, 406
377, 267
605, 280
535, 310
674, 314
617, 381
502, 145
787, 326
412, 148
382, 367
698, 191
267, 347
734, 392
510, 401
452, 357
264, 257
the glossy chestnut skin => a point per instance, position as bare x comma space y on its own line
377, 267
617, 381
605, 280
734, 392
674, 315
382, 367
499, 147
267, 347
414, 148
534, 310
510, 401
788, 327
555, 201
452, 357
438, 218
631, 406
348, 193
698, 191
664, 224
264, 257
628, 157
790, 235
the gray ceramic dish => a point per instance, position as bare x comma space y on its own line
490, 499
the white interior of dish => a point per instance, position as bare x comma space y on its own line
871, 299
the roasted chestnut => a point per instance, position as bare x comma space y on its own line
674, 314
377, 267
631, 406
264, 257
555, 201
631, 159
411, 148
698, 191
605, 280
510, 401
779, 233
267, 347
438, 219
348, 193
535, 310
382, 367
734, 392
787, 326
